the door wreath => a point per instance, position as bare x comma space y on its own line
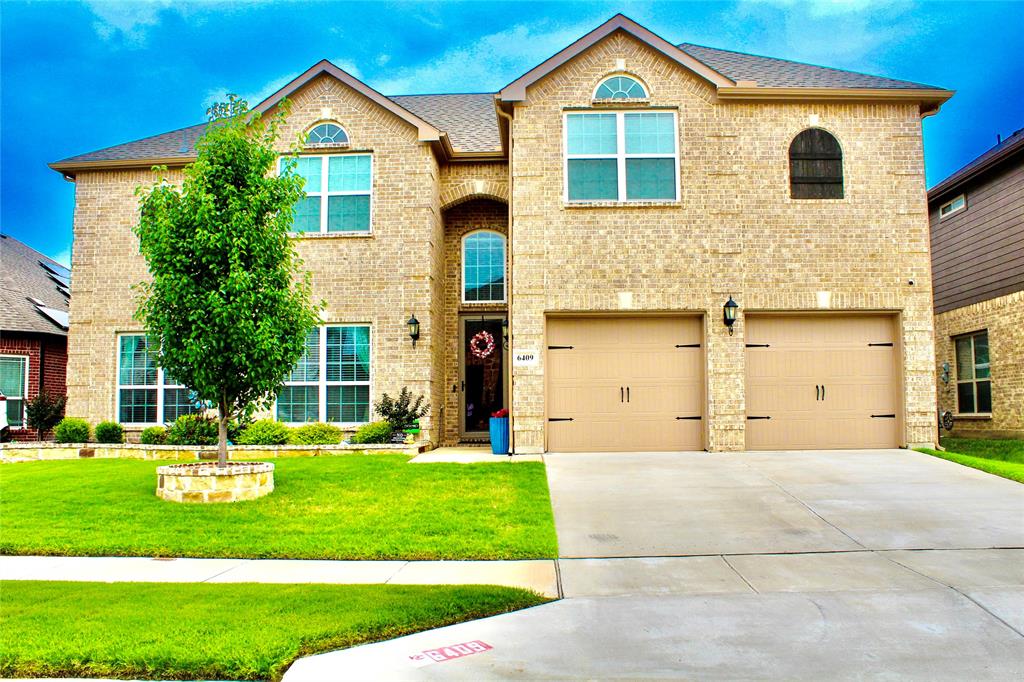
481, 345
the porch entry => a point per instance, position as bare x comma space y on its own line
483, 388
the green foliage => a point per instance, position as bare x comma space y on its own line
316, 434
44, 412
228, 301
265, 432
72, 430
374, 432
153, 435
403, 412
109, 432
192, 429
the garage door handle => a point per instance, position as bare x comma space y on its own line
758, 345
883, 416
880, 344
559, 419
622, 394
687, 345
817, 392
823, 391
751, 418
559, 347
627, 394
687, 417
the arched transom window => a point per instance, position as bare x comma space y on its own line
620, 87
483, 267
815, 166
327, 133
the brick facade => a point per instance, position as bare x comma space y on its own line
48, 350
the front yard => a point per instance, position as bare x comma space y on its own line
343, 507
211, 632
1000, 457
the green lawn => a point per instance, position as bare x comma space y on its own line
1000, 457
345, 507
216, 632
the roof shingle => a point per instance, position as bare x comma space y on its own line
23, 278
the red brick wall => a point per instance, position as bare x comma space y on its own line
54, 353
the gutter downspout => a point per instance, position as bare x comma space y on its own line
511, 250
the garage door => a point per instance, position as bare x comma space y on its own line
822, 381
624, 384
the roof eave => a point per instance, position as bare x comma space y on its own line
72, 167
956, 181
930, 99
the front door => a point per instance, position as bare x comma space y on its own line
482, 384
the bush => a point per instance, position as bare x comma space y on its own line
192, 429
265, 432
375, 432
153, 435
72, 430
401, 413
316, 434
109, 432
44, 412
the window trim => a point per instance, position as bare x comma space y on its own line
974, 368
324, 195
159, 386
621, 156
504, 265
962, 207
322, 383
23, 398
635, 79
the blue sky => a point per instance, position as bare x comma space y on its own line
79, 76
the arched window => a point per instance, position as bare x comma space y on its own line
483, 267
620, 87
815, 166
327, 133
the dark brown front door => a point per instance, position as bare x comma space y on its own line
483, 386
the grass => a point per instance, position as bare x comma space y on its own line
1000, 457
345, 507
226, 632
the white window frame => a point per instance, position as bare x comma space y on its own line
324, 195
943, 213
620, 156
974, 371
504, 265
322, 383
595, 98
322, 145
160, 387
22, 398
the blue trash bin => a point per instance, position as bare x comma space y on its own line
499, 435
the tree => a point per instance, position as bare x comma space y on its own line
44, 412
228, 306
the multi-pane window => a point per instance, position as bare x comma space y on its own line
326, 133
145, 393
973, 380
620, 87
952, 206
815, 166
483, 268
338, 193
14, 385
621, 156
331, 381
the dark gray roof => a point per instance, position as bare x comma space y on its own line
22, 279
994, 155
469, 119
769, 72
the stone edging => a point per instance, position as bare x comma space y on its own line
23, 452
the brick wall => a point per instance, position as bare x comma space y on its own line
51, 350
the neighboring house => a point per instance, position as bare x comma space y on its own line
34, 292
599, 211
977, 219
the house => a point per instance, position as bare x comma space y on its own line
568, 245
977, 222
34, 292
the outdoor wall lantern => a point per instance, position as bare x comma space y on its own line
729, 313
504, 333
414, 329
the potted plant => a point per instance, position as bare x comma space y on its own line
499, 432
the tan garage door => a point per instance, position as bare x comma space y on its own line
624, 384
822, 381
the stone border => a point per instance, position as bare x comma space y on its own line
28, 452
204, 482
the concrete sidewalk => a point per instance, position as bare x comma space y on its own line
537, 575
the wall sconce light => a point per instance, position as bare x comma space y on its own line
504, 333
414, 329
729, 313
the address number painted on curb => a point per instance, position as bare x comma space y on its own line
449, 653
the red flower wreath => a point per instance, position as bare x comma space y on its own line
481, 345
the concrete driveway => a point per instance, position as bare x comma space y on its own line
813, 566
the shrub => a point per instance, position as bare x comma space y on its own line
265, 432
44, 412
192, 429
72, 430
375, 432
316, 434
153, 435
109, 432
401, 413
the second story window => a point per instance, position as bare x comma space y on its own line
815, 166
327, 133
483, 268
338, 193
620, 87
621, 156
953, 206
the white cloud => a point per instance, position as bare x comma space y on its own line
254, 97
348, 66
383, 59
63, 257
129, 19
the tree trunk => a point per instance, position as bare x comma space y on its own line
222, 435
